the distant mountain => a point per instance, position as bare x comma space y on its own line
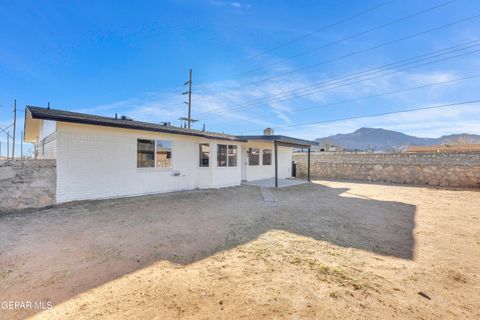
387, 140
464, 138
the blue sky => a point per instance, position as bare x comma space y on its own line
131, 58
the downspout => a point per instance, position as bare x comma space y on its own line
276, 163
308, 165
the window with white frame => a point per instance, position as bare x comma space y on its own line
253, 156
267, 157
164, 154
204, 150
154, 153
226, 155
221, 155
145, 153
232, 156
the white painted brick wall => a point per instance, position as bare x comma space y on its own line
285, 156
225, 176
268, 171
98, 162
95, 162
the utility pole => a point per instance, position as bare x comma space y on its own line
189, 92
14, 127
21, 147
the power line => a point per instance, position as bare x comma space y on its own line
363, 50
356, 74
6, 128
374, 115
390, 92
367, 49
361, 33
315, 88
359, 14
343, 83
256, 82
352, 36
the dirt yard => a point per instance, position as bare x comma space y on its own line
324, 250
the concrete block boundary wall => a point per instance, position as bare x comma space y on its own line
27, 184
434, 169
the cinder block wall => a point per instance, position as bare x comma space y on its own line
434, 169
27, 184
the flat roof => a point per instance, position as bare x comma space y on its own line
82, 118
294, 142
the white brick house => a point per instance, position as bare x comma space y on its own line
101, 157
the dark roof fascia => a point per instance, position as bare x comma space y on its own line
284, 139
134, 125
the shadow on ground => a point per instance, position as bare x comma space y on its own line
60, 252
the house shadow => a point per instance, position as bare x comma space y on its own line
327, 214
95, 242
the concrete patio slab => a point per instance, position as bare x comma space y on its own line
270, 183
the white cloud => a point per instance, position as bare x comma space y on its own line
429, 77
227, 105
423, 123
237, 6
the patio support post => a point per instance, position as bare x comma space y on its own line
308, 165
276, 163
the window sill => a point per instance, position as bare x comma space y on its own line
155, 169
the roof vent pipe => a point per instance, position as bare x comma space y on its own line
268, 132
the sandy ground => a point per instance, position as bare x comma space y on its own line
324, 250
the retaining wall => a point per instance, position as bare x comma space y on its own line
435, 169
27, 184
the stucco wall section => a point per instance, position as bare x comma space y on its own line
26, 184
435, 169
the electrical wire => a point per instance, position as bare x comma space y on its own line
342, 81
352, 36
362, 13
374, 115
428, 85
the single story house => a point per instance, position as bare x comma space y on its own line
105, 157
